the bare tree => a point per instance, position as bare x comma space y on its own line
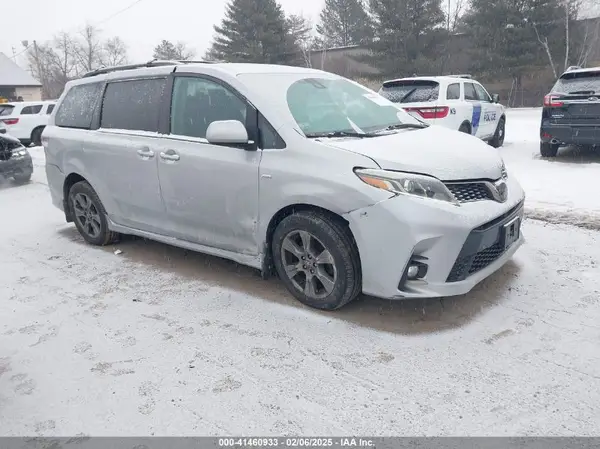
170, 51
301, 31
89, 49
114, 52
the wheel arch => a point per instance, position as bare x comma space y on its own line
70, 181
268, 268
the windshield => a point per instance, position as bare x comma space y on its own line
325, 106
410, 91
578, 83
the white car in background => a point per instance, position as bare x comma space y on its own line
456, 102
26, 120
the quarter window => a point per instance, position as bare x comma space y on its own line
77, 109
453, 92
197, 102
31, 110
470, 93
50, 109
133, 105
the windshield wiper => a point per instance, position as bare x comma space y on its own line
410, 92
339, 134
407, 126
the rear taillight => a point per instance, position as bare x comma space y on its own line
430, 113
553, 101
11, 121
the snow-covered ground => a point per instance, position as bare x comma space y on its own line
157, 340
560, 190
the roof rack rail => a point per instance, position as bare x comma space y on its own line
152, 63
464, 75
573, 67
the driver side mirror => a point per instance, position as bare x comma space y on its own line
228, 132
495, 98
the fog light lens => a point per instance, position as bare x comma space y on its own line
413, 272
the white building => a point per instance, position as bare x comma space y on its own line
16, 82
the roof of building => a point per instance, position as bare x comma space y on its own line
13, 75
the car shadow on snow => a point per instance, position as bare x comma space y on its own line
408, 317
574, 155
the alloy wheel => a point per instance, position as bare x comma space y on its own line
87, 215
308, 264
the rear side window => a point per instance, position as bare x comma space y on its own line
410, 91
578, 83
133, 105
30, 110
77, 109
470, 93
6, 110
50, 109
453, 92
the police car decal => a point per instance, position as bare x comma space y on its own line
475, 119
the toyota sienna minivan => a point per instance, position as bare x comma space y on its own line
289, 170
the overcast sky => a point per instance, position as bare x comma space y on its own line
142, 26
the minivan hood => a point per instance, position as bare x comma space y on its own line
446, 154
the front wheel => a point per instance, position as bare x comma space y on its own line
89, 215
548, 149
317, 260
22, 178
498, 139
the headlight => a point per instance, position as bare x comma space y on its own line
21, 152
402, 183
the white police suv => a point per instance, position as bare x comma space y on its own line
456, 102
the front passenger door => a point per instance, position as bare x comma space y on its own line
210, 191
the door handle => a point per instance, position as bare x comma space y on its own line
145, 153
172, 156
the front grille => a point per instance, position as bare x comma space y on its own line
470, 191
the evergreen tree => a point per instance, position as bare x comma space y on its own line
513, 35
407, 36
254, 31
343, 23
167, 50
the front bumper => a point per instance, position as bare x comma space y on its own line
460, 245
16, 166
570, 134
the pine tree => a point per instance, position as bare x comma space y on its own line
407, 36
254, 31
343, 23
167, 50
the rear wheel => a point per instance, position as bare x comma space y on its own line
317, 260
498, 139
548, 149
89, 215
465, 128
36, 136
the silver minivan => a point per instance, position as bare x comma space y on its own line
289, 170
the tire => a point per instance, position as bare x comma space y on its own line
465, 128
340, 270
89, 215
22, 178
36, 136
548, 149
498, 139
